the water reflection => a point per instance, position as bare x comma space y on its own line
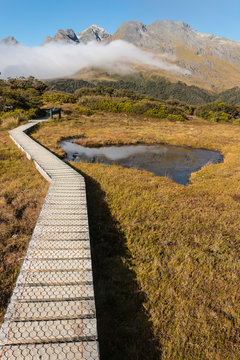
174, 162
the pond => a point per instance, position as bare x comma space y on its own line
174, 162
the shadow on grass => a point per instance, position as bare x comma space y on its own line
123, 328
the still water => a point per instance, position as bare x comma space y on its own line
175, 162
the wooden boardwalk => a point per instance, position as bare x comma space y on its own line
51, 314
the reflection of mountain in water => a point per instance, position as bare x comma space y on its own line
96, 159
163, 160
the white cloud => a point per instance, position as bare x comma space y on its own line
57, 60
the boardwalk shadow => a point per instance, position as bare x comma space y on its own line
123, 328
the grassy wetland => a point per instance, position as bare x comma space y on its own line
165, 256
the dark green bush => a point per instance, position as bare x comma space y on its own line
83, 111
20, 100
90, 101
146, 107
218, 112
159, 112
173, 117
142, 107
58, 98
22, 115
114, 106
84, 91
21, 93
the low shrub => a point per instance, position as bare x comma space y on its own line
115, 106
159, 112
84, 91
173, 117
218, 112
83, 111
219, 116
89, 101
15, 117
109, 92
58, 98
142, 107
145, 107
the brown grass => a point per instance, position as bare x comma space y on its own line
8, 123
22, 192
182, 242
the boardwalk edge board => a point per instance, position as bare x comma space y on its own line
51, 313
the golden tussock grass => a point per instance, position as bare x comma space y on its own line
182, 243
8, 123
22, 191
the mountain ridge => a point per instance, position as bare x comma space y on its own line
162, 35
162, 24
211, 61
91, 33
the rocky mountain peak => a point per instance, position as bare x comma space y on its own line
183, 24
137, 26
10, 40
71, 34
93, 33
62, 36
132, 31
170, 29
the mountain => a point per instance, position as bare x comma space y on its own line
62, 36
166, 35
10, 40
213, 61
93, 33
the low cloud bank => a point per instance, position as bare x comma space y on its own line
57, 60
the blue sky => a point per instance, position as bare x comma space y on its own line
30, 21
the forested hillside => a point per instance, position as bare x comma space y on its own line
157, 87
